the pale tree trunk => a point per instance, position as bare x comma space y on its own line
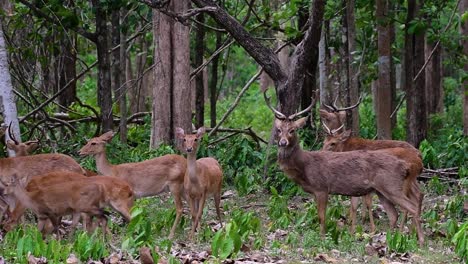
8, 104
162, 100
353, 78
384, 86
434, 91
199, 79
326, 93
415, 91
464, 32
172, 100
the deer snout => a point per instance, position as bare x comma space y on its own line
189, 149
283, 142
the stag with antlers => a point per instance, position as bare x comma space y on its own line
353, 173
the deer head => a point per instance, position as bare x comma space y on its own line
335, 142
190, 141
335, 118
21, 148
97, 145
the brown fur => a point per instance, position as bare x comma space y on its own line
56, 194
27, 167
147, 178
203, 177
333, 120
354, 173
403, 150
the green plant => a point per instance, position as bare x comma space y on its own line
227, 241
278, 210
401, 243
89, 246
460, 239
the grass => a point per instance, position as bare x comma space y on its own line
267, 226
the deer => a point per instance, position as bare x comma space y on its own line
116, 191
27, 167
343, 141
354, 173
21, 148
146, 178
53, 202
202, 178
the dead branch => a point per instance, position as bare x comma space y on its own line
248, 131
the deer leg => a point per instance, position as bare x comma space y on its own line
321, 198
179, 210
389, 209
217, 200
193, 214
367, 199
200, 210
17, 212
352, 213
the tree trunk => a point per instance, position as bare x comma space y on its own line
464, 32
415, 91
162, 94
214, 82
199, 79
326, 93
434, 91
104, 78
7, 100
182, 116
67, 68
352, 92
384, 86
118, 72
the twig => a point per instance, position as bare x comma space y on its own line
194, 73
236, 101
222, 139
58, 93
247, 131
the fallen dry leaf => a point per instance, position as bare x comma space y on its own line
326, 258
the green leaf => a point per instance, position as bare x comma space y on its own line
226, 248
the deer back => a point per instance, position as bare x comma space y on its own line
29, 166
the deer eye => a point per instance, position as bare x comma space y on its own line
92, 144
278, 131
291, 131
196, 139
185, 140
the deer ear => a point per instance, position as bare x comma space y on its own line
107, 136
200, 132
345, 135
11, 144
324, 114
180, 133
300, 122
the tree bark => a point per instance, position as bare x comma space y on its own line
162, 94
214, 82
199, 79
67, 68
326, 94
352, 94
464, 32
104, 79
7, 103
434, 91
415, 92
384, 86
182, 116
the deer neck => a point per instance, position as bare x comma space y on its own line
192, 167
102, 164
285, 153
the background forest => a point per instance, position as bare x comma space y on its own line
71, 70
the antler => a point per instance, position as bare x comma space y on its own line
329, 131
277, 113
335, 108
291, 117
12, 136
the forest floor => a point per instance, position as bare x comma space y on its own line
285, 230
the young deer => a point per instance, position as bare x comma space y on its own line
147, 178
117, 193
341, 142
354, 173
203, 177
55, 201
28, 167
